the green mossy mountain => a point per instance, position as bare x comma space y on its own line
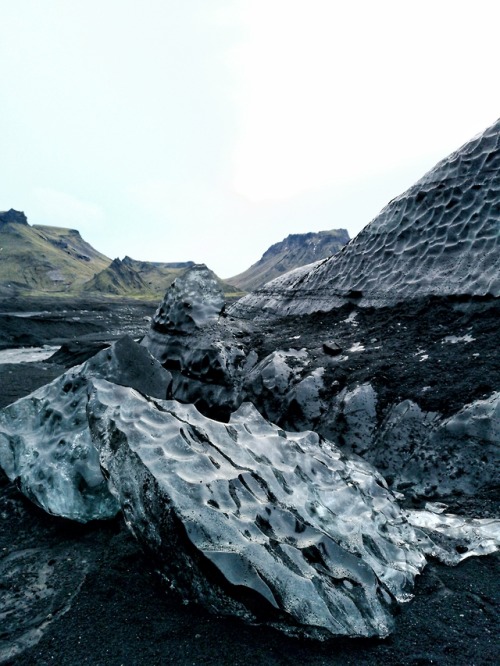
296, 250
43, 261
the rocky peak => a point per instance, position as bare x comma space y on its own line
13, 217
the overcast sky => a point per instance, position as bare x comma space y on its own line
206, 130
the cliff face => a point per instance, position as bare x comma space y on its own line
294, 251
12, 217
440, 238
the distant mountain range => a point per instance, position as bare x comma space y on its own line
296, 250
39, 260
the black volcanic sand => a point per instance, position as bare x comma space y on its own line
405, 349
55, 323
100, 603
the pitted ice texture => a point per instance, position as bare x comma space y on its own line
317, 536
441, 237
194, 299
244, 518
45, 443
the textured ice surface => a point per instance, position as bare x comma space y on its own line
442, 236
243, 517
194, 299
190, 337
422, 452
251, 520
45, 443
314, 536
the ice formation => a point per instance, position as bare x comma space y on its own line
191, 338
243, 517
440, 237
45, 443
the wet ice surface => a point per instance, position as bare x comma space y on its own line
244, 518
27, 354
315, 535
45, 443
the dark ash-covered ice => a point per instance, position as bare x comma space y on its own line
190, 336
440, 237
45, 443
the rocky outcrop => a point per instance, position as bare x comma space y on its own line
118, 279
438, 238
13, 217
294, 251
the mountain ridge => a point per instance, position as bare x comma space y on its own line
294, 251
39, 261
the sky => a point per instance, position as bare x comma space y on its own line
207, 130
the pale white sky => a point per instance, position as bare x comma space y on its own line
206, 130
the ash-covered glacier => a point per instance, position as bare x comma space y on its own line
251, 519
441, 237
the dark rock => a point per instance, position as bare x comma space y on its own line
13, 217
332, 348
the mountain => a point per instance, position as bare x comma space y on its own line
41, 259
440, 237
53, 261
294, 251
143, 279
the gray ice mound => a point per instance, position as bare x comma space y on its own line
243, 518
422, 453
193, 300
440, 237
253, 521
245, 515
191, 337
45, 443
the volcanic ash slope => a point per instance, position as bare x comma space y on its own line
441, 237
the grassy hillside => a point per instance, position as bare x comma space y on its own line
45, 259
143, 279
41, 261
296, 250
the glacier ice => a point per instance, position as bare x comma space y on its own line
191, 337
242, 517
45, 443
